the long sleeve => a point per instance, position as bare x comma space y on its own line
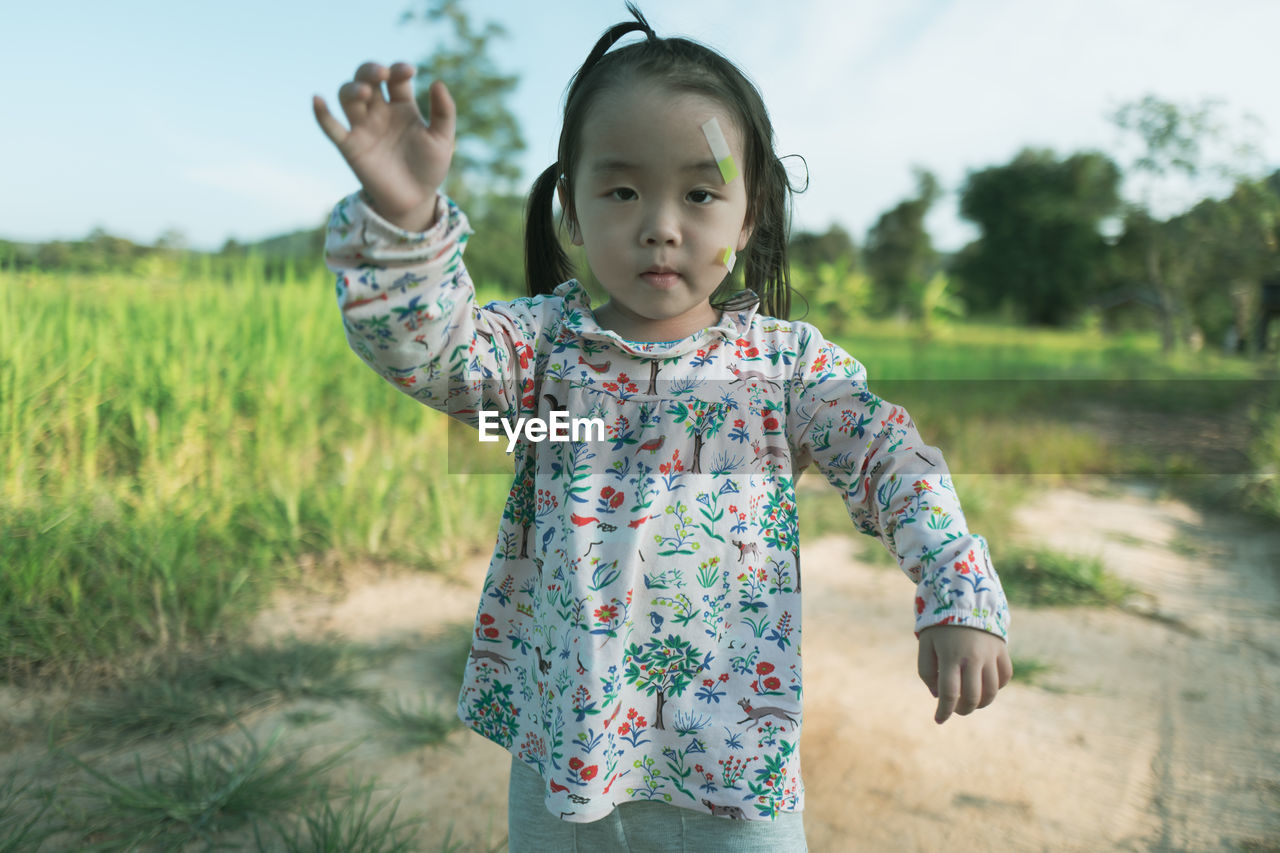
410, 313
895, 487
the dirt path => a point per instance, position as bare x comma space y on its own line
1153, 732
1150, 733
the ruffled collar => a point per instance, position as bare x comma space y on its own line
579, 319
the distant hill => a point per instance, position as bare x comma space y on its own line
307, 243
100, 251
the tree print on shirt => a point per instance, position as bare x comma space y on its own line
701, 420
664, 667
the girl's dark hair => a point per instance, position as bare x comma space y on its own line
681, 65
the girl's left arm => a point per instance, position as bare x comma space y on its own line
896, 487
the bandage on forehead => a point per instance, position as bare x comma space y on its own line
726, 258
720, 149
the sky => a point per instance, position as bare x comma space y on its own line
142, 117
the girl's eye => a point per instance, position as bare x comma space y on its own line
623, 193
701, 197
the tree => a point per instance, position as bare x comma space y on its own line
899, 253
808, 250
1174, 139
824, 272
834, 291
1041, 249
1224, 247
484, 171
488, 135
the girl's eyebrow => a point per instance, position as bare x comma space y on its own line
613, 165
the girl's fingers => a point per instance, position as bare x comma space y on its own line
948, 692
970, 688
400, 83
927, 667
443, 112
368, 82
372, 74
331, 126
354, 98
1004, 667
990, 685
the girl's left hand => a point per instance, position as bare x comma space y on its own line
963, 667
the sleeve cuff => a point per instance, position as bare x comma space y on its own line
358, 234
391, 233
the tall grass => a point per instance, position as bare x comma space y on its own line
170, 449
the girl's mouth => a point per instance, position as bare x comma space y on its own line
661, 280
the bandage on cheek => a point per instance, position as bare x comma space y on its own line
720, 149
726, 258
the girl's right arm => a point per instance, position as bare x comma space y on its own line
407, 302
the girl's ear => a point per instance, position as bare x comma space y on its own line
575, 236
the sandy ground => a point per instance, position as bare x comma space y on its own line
1148, 732
1155, 728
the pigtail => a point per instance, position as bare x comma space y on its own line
545, 263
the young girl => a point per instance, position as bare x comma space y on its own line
637, 645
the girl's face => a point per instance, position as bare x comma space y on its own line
653, 211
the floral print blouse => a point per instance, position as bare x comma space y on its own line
638, 633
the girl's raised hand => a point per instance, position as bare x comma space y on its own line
400, 160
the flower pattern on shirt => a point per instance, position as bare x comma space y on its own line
638, 635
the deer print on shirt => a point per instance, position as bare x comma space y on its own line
754, 714
752, 376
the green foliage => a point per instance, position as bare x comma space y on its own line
1045, 578
197, 794
808, 250
1041, 250
416, 725
171, 449
184, 693
495, 258
21, 810
1262, 492
1205, 265
934, 303
1218, 246
1031, 672
488, 135
362, 826
899, 253
1173, 136
835, 292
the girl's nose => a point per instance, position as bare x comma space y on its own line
661, 227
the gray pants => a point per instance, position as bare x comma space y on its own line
640, 827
